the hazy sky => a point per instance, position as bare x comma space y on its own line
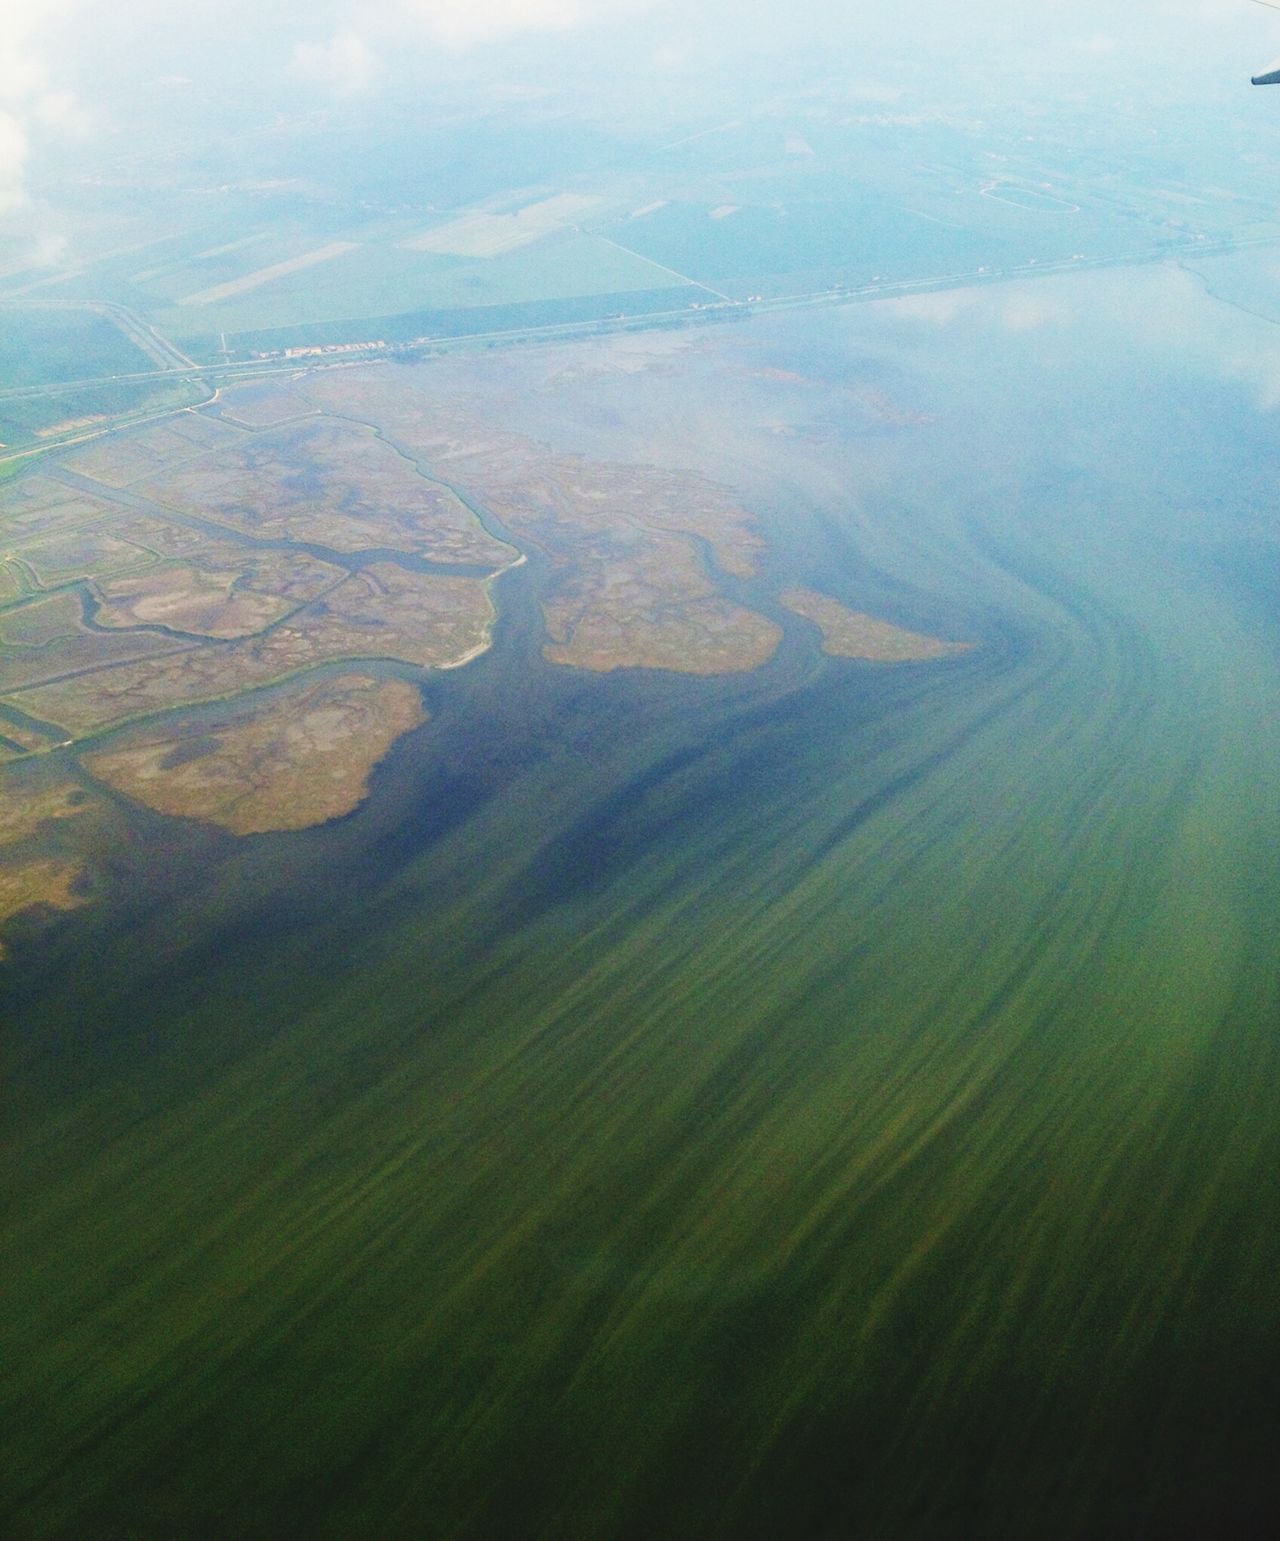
74, 72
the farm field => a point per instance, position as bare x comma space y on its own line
798, 197
42, 345
374, 281
471, 320
29, 421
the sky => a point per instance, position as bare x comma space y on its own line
76, 75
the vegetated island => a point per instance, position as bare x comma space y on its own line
191, 586
852, 634
628, 585
36, 868
382, 612
264, 768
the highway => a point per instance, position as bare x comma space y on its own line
183, 368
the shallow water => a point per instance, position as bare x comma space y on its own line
830, 1101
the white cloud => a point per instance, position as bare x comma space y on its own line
61, 110
1026, 311
48, 250
13, 161
27, 103
21, 75
350, 60
671, 59
940, 307
464, 23
345, 64
1095, 43
1215, 333
876, 91
22, 71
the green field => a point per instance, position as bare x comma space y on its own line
45, 346
374, 281
466, 321
24, 421
832, 1102
823, 193
380, 281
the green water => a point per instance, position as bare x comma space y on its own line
830, 1102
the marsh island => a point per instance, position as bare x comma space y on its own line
177, 598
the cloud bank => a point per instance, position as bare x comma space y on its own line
345, 64
464, 23
352, 57
28, 103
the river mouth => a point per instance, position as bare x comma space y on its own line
722, 1104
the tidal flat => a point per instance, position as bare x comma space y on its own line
817, 1101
